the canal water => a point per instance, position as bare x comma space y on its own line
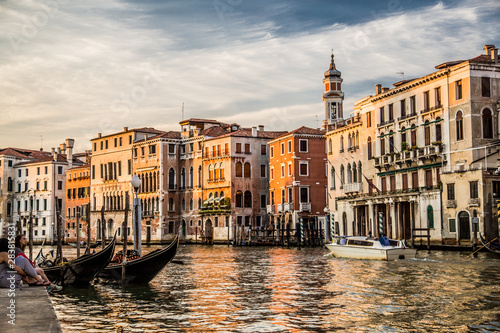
259, 289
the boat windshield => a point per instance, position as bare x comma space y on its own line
358, 242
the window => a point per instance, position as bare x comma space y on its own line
485, 87
452, 225
304, 194
460, 125
116, 142
106, 144
303, 169
282, 170
248, 199
239, 199
437, 96
263, 201
458, 90
474, 194
263, 149
239, 169
369, 119
290, 169
59, 185
247, 148
428, 177
391, 142
95, 146
426, 100
413, 135
413, 105
438, 130
382, 116
341, 143
414, 177
405, 181
238, 147
430, 216
271, 151
271, 172
303, 148
393, 183
289, 146
282, 148
382, 144
402, 105
263, 171
26, 172
59, 170
290, 194
170, 204
171, 148
391, 111
46, 170
384, 184
487, 124
246, 170
450, 190
369, 147
427, 133
332, 178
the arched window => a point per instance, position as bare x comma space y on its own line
357, 139
349, 141
438, 129
216, 171
391, 142
199, 203
459, 120
430, 216
248, 199
199, 176
183, 204
349, 174
183, 178
360, 171
354, 173
171, 179
239, 169
221, 170
342, 175
382, 144
191, 180
330, 147
487, 124
332, 178
191, 204
427, 133
247, 170
210, 172
369, 147
404, 144
239, 199
341, 143
413, 135
221, 194
171, 204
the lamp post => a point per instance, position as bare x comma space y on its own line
136, 183
31, 198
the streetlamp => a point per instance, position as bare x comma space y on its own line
136, 183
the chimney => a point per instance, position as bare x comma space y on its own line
378, 88
261, 128
125, 129
58, 149
62, 146
385, 89
487, 49
53, 150
99, 135
494, 55
70, 143
254, 131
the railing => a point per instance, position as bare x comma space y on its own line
305, 206
406, 116
387, 122
288, 207
353, 187
270, 209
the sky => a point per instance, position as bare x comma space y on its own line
73, 69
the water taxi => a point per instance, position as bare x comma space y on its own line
357, 247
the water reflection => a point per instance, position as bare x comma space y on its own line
230, 289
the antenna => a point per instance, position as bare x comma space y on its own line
41, 142
182, 111
401, 73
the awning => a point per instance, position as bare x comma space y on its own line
432, 122
407, 129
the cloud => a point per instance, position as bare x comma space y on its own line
99, 67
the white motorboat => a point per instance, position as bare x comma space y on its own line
370, 248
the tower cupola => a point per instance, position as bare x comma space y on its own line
333, 95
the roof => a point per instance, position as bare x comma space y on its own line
147, 130
18, 152
167, 135
304, 130
199, 120
260, 134
480, 58
213, 131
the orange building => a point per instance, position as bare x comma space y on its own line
297, 179
77, 201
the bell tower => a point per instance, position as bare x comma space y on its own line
333, 96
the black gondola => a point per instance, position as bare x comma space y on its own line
493, 247
81, 270
92, 246
143, 269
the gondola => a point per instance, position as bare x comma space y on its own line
81, 270
492, 247
92, 245
143, 269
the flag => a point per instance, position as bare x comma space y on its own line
370, 183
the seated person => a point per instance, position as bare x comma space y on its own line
343, 241
20, 244
381, 239
386, 240
22, 269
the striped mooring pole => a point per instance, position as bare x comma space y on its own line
302, 234
380, 223
332, 225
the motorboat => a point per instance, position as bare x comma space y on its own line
357, 247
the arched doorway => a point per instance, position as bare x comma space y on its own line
464, 223
183, 229
208, 231
109, 229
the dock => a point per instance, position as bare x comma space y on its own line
29, 308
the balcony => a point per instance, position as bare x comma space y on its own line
270, 209
353, 187
288, 207
451, 204
406, 116
305, 206
474, 202
387, 122
172, 187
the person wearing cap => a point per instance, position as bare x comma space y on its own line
343, 241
